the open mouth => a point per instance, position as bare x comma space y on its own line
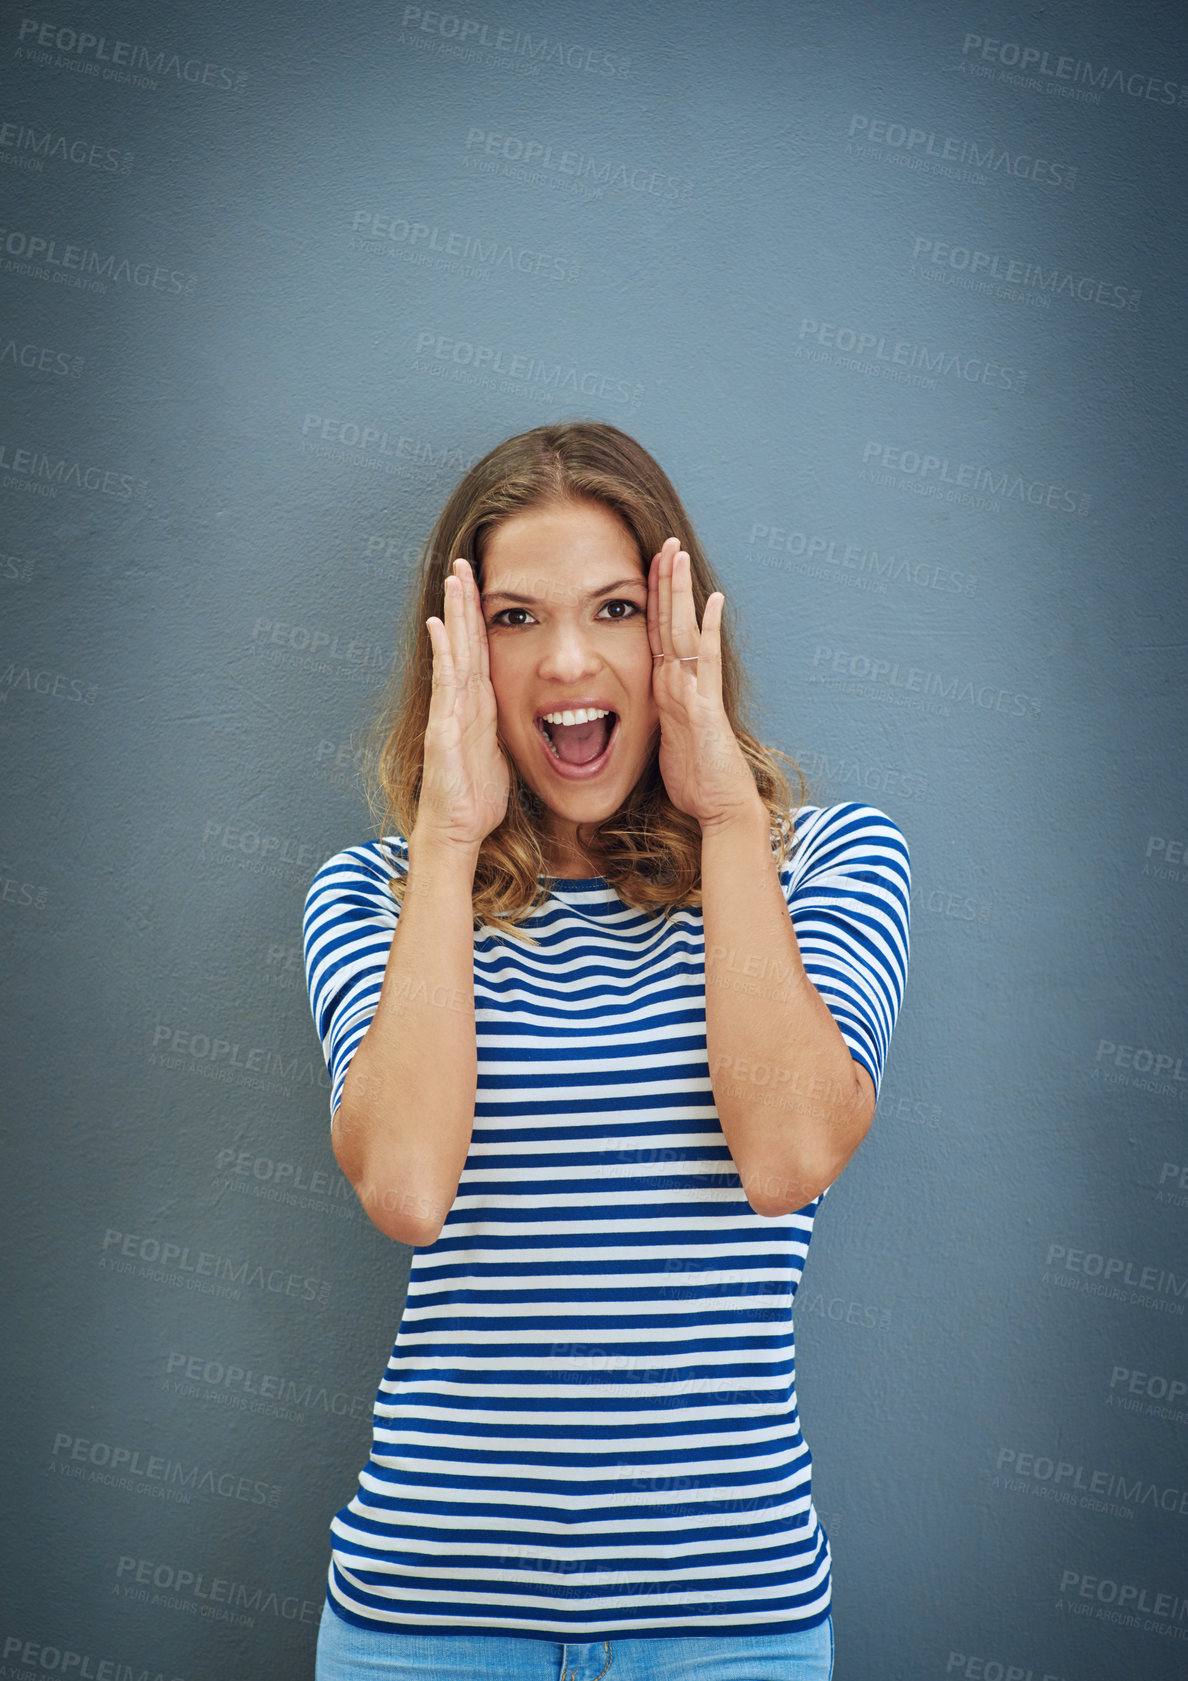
579, 746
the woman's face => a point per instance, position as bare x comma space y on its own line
565, 601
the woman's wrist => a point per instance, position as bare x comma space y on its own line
433, 854
750, 818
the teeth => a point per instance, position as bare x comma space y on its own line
583, 715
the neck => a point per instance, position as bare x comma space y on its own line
571, 868
564, 856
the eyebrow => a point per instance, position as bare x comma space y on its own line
533, 601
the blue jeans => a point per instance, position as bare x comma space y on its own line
347, 1653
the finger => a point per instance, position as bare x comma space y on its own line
480, 628
665, 612
656, 636
684, 615
471, 620
441, 697
455, 621
654, 642
709, 660
655, 573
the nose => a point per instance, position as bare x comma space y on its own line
569, 652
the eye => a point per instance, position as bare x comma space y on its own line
501, 618
633, 612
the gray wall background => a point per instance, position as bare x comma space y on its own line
895, 293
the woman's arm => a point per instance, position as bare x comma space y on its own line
793, 1103
402, 1130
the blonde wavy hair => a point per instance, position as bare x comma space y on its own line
650, 852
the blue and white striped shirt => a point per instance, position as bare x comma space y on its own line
588, 1425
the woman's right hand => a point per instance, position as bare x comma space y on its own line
465, 781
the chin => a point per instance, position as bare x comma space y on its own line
584, 805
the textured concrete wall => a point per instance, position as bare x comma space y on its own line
895, 292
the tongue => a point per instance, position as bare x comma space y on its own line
577, 744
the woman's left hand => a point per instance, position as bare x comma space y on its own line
703, 766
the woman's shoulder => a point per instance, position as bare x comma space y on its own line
850, 817
369, 863
821, 831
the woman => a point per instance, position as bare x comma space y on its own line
600, 1080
